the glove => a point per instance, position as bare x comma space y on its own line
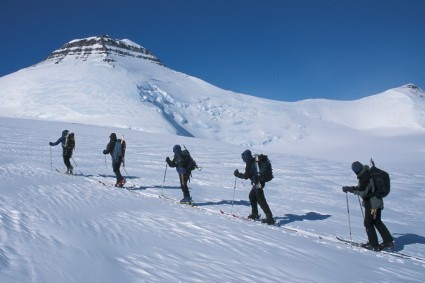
236, 173
168, 160
50, 143
347, 189
104, 151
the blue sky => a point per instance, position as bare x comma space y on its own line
277, 49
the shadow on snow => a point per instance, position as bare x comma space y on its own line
312, 216
402, 240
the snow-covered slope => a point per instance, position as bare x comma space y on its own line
108, 82
58, 228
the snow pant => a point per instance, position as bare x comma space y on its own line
116, 167
256, 196
183, 184
67, 161
373, 220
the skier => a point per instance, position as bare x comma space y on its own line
116, 148
184, 173
68, 145
256, 195
373, 208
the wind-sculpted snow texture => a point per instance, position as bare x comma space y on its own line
59, 228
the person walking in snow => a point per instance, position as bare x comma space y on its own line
179, 162
68, 144
373, 208
116, 148
256, 195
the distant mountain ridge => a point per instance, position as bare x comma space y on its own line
109, 82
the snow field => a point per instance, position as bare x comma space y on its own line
58, 228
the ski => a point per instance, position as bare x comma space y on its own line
111, 185
191, 203
356, 244
387, 252
276, 224
67, 174
237, 216
222, 212
233, 215
130, 188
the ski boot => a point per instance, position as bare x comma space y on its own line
387, 246
268, 220
69, 171
186, 200
254, 216
368, 246
121, 183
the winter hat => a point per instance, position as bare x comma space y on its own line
357, 167
113, 136
246, 155
177, 149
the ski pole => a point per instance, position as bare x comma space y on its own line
128, 176
234, 190
349, 220
76, 165
361, 207
163, 181
51, 159
106, 168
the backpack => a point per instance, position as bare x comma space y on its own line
381, 180
69, 144
118, 152
188, 161
265, 167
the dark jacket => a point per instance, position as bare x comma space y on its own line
62, 139
179, 163
250, 172
111, 145
66, 149
366, 188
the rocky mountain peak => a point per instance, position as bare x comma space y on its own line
105, 47
414, 89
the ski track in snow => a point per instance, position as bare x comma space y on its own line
59, 228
